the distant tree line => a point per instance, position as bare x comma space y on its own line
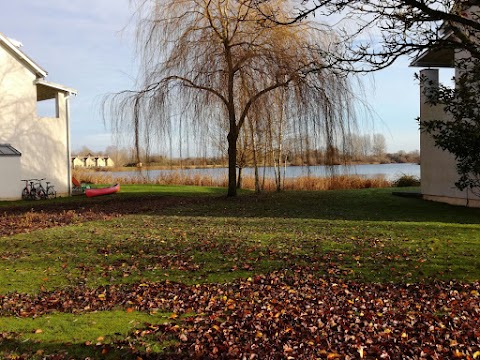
358, 149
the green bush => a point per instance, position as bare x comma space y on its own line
406, 181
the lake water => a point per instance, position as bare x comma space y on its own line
389, 171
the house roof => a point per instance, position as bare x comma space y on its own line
435, 58
8, 150
445, 56
47, 90
21, 56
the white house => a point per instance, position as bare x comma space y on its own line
438, 168
90, 161
77, 161
33, 144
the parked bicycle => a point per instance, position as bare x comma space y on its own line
34, 190
29, 192
48, 192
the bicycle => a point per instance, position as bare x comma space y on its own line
45, 193
41, 194
29, 192
35, 190
50, 192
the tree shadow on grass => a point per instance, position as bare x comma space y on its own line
358, 205
19, 349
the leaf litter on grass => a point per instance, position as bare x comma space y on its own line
280, 315
294, 314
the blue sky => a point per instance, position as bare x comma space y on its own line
83, 45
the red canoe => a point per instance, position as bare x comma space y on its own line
102, 191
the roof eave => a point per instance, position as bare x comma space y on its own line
37, 69
56, 87
440, 58
437, 56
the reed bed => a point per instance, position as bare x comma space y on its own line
307, 183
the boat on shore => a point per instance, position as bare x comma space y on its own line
102, 191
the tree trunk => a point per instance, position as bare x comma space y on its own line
233, 130
232, 163
239, 179
278, 160
255, 161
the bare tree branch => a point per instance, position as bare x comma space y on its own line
213, 64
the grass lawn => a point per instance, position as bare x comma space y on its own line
79, 291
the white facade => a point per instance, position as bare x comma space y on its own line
438, 167
44, 142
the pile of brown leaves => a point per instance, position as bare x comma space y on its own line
286, 315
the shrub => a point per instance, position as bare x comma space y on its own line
406, 181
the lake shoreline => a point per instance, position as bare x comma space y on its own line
201, 167
388, 171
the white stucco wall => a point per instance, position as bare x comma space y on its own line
43, 142
438, 168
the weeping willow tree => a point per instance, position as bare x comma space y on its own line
222, 64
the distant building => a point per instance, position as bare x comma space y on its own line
91, 161
34, 124
108, 161
77, 162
